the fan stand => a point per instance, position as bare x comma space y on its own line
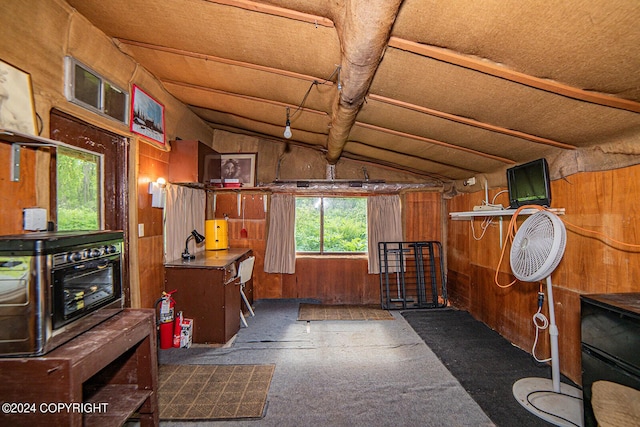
540, 396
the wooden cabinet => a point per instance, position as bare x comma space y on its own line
193, 161
208, 293
202, 295
99, 378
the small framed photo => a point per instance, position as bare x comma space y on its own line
147, 116
17, 109
240, 166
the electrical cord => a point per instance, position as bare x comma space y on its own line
513, 229
315, 83
603, 237
485, 224
551, 413
541, 323
488, 220
511, 234
493, 201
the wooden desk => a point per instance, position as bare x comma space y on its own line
106, 374
207, 293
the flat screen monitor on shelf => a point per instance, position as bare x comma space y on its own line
529, 184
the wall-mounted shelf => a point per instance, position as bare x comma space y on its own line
469, 215
19, 140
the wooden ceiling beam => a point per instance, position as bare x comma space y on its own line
276, 11
361, 124
394, 167
246, 97
346, 152
220, 60
435, 142
470, 122
492, 69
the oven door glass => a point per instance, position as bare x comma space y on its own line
83, 288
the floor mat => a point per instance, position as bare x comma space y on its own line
484, 362
342, 312
213, 392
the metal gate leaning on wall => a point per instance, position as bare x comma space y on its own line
412, 275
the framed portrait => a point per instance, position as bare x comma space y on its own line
241, 166
17, 110
147, 116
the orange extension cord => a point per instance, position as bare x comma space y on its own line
513, 229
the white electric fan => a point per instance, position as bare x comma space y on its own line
536, 251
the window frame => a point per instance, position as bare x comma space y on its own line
70, 64
100, 181
322, 252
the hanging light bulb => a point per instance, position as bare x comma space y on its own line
287, 128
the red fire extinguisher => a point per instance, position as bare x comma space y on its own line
177, 331
166, 319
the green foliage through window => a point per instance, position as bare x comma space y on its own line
78, 191
331, 224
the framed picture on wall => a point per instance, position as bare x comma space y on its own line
17, 110
241, 166
147, 116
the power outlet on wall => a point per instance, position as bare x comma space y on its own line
35, 219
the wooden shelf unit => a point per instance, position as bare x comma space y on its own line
112, 370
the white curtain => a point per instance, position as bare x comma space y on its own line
184, 212
384, 224
280, 255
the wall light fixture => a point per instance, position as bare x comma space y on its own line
156, 189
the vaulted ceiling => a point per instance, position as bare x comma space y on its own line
444, 89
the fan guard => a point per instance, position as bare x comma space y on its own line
538, 247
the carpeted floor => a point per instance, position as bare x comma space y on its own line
339, 373
484, 362
342, 312
213, 392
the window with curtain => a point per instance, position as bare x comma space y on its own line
330, 225
383, 224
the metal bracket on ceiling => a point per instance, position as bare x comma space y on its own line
331, 172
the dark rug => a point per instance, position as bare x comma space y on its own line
213, 392
342, 312
485, 363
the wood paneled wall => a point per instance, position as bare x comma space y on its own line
152, 163
329, 279
422, 212
16, 195
607, 202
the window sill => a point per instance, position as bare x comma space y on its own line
332, 256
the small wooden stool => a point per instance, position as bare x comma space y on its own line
615, 405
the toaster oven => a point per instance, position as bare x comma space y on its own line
55, 286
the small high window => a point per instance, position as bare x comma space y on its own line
90, 90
